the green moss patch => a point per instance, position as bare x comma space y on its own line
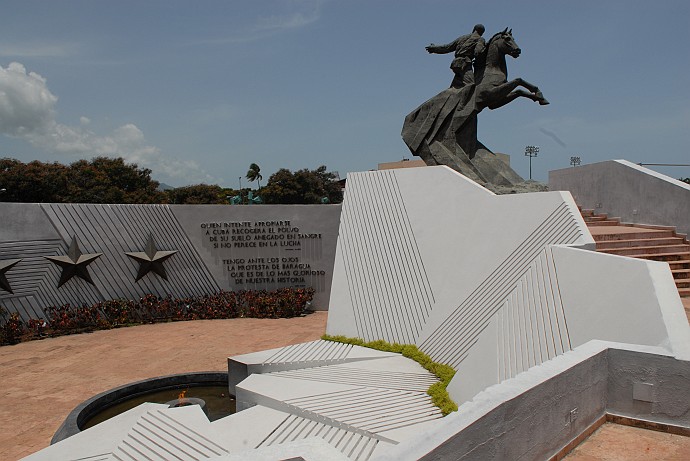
437, 392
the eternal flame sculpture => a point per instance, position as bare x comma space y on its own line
443, 130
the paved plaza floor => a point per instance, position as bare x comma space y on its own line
614, 442
42, 381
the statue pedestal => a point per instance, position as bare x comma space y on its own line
443, 131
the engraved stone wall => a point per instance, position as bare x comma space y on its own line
56, 254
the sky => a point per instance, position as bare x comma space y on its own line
196, 91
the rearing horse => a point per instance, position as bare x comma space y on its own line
443, 129
493, 88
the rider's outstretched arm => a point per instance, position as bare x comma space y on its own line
442, 49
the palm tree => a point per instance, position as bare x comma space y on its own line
254, 174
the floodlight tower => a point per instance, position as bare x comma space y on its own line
531, 151
575, 161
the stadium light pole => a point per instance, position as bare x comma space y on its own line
531, 151
575, 161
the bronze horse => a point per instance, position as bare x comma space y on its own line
443, 130
493, 88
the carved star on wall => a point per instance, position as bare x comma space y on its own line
151, 259
4, 267
74, 263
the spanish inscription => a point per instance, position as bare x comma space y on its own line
266, 254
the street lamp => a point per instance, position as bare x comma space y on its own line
575, 161
531, 151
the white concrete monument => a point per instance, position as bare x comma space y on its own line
491, 285
543, 332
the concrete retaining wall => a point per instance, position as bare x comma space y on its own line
537, 413
217, 248
651, 387
633, 193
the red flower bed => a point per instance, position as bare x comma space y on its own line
12, 329
67, 319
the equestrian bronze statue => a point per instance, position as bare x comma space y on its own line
443, 130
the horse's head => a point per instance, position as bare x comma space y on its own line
505, 43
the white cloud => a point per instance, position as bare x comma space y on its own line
27, 111
294, 20
37, 50
26, 104
300, 13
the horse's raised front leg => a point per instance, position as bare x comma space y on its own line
501, 95
534, 89
496, 103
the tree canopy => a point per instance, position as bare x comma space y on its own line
198, 194
254, 174
111, 180
100, 180
302, 187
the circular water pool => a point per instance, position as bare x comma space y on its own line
209, 386
218, 402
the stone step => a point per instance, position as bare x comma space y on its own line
680, 274
629, 233
683, 283
594, 218
608, 244
648, 250
667, 257
607, 222
681, 264
657, 243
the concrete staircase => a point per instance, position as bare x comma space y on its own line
659, 243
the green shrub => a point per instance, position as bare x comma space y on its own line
438, 393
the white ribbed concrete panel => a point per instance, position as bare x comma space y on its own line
513, 285
296, 357
106, 457
357, 447
531, 323
382, 265
450, 342
371, 410
347, 404
169, 434
599, 296
343, 374
473, 250
309, 352
148, 432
